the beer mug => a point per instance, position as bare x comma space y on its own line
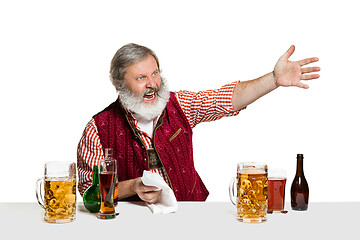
250, 193
56, 192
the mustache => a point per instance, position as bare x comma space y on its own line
149, 91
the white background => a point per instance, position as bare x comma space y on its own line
54, 64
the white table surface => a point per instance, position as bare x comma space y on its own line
193, 220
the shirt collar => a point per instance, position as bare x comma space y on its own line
134, 121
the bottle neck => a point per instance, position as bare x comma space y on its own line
299, 168
108, 153
96, 174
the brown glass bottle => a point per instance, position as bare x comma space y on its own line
299, 189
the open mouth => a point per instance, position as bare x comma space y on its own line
150, 96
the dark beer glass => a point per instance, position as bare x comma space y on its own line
276, 190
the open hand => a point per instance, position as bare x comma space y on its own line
288, 73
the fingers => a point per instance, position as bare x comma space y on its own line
148, 194
308, 60
138, 187
310, 69
141, 188
302, 85
309, 76
146, 189
288, 53
290, 73
150, 197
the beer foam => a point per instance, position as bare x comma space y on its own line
56, 179
277, 178
252, 171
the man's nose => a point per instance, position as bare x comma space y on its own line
150, 83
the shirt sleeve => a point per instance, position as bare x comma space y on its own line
89, 153
209, 105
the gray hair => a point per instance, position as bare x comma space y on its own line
124, 57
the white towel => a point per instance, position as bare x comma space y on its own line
167, 201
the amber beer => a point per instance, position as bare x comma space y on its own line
252, 189
109, 155
107, 180
60, 199
276, 190
276, 194
56, 192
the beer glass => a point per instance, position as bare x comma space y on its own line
250, 193
107, 179
56, 192
276, 190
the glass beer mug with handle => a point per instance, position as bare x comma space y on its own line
56, 192
249, 192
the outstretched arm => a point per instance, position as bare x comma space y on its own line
286, 73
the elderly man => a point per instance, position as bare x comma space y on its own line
150, 128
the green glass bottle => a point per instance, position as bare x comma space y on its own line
91, 196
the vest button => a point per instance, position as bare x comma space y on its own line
144, 159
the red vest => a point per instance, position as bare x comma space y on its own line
172, 140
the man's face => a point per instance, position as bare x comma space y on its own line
143, 90
143, 79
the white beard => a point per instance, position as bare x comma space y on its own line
136, 104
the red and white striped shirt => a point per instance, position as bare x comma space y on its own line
203, 106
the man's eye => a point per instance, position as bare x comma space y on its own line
140, 78
155, 73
